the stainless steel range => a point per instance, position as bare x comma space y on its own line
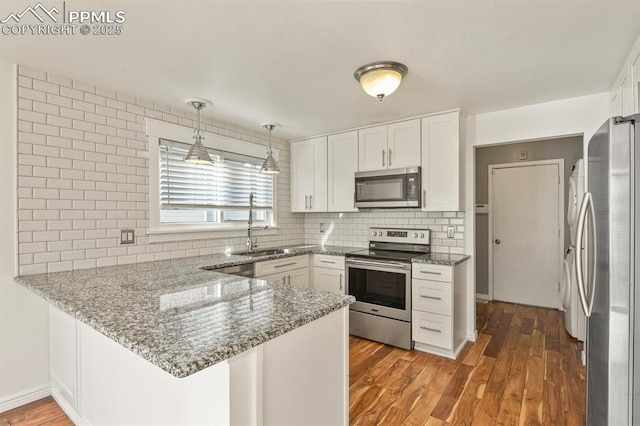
380, 280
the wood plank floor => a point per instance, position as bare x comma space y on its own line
42, 412
524, 369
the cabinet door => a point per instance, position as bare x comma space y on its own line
342, 164
403, 144
298, 277
301, 176
278, 277
441, 163
634, 60
331, 280
318, 194
372, 148
63, 366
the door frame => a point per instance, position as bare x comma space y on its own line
561, 219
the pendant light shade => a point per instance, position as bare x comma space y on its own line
270, 165
198, 154
380, 79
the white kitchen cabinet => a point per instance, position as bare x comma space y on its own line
443, 162
309, 175
390, 146
329, 273
63, 358
289, 270
342, 153
621, 93
438, 318
634, 62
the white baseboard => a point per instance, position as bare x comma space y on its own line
21, 398
482, 296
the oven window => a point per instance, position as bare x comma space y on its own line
378, 288
380, 189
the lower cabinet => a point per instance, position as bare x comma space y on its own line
438, 309
290, 271
329, 273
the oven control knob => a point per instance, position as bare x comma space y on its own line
373, 233
421, 235
415, 235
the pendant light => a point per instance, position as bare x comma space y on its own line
198, 154
380, 79
270, 165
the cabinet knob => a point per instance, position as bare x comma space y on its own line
498, 241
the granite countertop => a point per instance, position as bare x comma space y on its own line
182, 318
441, 259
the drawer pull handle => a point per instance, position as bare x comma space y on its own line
328, 261
430, 272
431, 297
285, 264
431, 329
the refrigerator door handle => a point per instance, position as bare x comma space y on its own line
592, 258
582, 215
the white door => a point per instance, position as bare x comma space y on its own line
526, 237
342, 165
331, 280
318, 194
372, 148
301, 175
298, 277
403, 144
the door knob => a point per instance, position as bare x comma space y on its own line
497, 241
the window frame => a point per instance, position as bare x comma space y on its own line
159, 232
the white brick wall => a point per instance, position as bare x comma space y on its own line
83, 175
351, 229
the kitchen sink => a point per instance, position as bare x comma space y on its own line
254, 253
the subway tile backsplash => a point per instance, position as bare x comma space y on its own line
83, 176
351, 229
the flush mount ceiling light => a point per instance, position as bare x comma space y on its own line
198, 154
380, 79
270, 165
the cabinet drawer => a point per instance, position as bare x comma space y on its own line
427, 271
432, 329
432, 296
281, 265
326, 261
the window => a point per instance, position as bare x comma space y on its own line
212, 194
191, 202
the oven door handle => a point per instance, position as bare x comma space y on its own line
392, 265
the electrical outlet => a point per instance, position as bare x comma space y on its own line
451, 230
127, 236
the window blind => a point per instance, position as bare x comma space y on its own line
225, 184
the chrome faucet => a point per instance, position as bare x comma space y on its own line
250, 243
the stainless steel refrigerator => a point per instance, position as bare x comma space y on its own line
606, 266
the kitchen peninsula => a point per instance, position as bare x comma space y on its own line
170, 343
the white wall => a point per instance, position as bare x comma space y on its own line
567, 117
24, 353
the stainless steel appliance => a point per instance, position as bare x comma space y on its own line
380, 280
388, 188
606, 266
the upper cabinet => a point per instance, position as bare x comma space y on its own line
342, 152
309, 175
389, 146
443, 162
625, 93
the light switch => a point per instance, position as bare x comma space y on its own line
127, 236
451, 230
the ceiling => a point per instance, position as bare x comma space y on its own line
292, 62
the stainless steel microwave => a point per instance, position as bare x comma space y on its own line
388, 188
